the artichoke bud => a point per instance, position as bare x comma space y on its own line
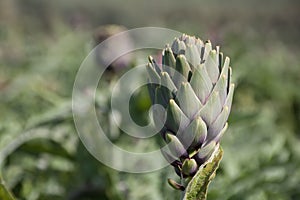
194, 86
189, 167
175, 185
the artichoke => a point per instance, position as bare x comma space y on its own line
194, 86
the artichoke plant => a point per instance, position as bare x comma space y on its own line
193, 84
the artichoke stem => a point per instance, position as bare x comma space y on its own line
197, 187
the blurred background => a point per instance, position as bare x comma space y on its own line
42, 44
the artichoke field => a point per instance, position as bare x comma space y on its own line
193, 84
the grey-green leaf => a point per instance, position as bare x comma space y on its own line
201, 83
211, 109
168, 60
188, 101
167, 82
160, 97
190, 40
176, 119
182, 70
207, 49
229, 97
218, 124
151, 90
212, 66
192, 55
175, 146
220, 135
153, 75
159, 117
200, 46
178, 47
221, 85
195, 134
167, 155
154, 64
167, 89
205, 152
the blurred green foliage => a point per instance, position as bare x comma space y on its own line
42, 44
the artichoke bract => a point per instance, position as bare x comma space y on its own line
193, 84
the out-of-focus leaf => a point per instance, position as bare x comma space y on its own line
5, 194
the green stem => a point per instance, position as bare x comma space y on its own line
197, 187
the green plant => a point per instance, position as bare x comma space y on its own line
194, 86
